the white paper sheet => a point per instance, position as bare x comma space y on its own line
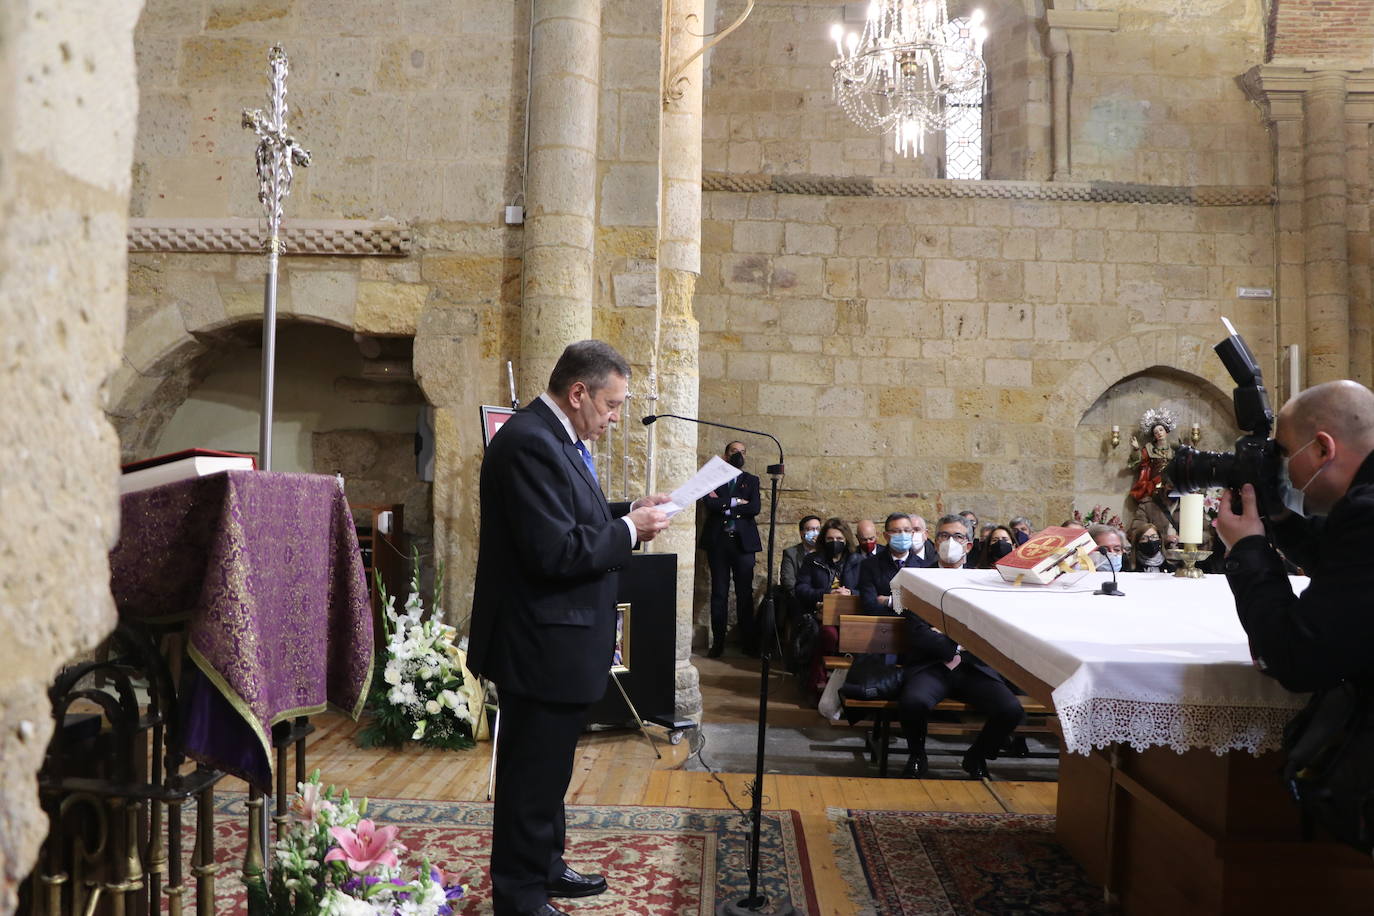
709, 476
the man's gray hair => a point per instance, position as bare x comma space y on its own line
955, 520
591, 362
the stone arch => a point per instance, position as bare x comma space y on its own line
1132, 354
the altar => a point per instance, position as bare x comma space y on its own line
1169, 793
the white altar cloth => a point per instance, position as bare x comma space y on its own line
1168, 664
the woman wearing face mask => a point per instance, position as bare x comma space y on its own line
833, 567
997, 543
1147, 551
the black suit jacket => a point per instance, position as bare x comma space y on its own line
1316, 639
543, 608
875, 577
713, 525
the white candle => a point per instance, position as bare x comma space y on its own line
1190, 518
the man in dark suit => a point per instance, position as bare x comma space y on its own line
730, 538
543, 612
875, 575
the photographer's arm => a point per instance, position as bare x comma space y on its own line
1305, 642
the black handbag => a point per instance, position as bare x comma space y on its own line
872, 678
1329, 764
805, 629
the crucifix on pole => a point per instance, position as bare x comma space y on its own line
277, 156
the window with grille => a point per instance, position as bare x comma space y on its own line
964, 136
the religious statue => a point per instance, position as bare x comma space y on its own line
1148, 461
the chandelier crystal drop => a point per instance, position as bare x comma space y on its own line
903, 70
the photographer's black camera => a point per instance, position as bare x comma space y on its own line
1256, 457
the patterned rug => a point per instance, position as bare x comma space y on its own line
904, 863
657, 861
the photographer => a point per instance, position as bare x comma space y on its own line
1325, 436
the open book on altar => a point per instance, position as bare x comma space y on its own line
1048, 555
191, 462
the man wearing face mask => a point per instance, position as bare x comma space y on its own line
1021, 529
920, 540
953, 541
875, 575
730, 539
1111, 547
1325, 436
867, 535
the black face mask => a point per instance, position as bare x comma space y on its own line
1000, 549
737, 459
836, 549
1147, 549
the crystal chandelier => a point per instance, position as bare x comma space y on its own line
900, 73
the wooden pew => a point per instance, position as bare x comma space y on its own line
887, 636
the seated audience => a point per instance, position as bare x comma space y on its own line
1147, 551
997, 543
833, 567
920, 539
1021, 529
1112, 547
936, 667
810, 530
866, 533
973, 557
953, 541
875, 576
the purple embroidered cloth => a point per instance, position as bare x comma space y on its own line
264, 569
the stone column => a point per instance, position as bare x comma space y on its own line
68, 114
679, 265
1059, 84
1326, 266
560, 187
1358, 241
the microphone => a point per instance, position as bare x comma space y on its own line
1108, 588
774, 469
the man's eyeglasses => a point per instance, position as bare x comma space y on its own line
951, 535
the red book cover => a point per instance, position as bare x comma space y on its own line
183, 454
1042, 558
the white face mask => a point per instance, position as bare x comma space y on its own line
918, 540
951, 551
1293, 497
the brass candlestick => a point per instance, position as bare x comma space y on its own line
1190, 555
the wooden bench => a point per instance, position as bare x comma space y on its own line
885, 635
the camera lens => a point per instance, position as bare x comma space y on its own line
1192, 470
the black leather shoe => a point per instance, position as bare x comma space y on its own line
547, 909
575, 884
974, 765
716, 649
917, 767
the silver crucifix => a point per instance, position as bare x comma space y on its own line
277, 156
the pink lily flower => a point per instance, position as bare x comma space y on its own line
309, 801
366, 847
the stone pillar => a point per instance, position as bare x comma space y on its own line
679, 265
1291, 274
68, 113
560, 188
1358, 241
1326, 266
1059, 85
1059, 23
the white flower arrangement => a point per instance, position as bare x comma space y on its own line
422, 694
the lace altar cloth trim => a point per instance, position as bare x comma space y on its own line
1094, 191
1096, 722
241, 236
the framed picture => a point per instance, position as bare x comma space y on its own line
493, 418
620, 656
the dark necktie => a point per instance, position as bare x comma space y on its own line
730, 503
587, 460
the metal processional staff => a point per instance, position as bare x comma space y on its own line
277, 156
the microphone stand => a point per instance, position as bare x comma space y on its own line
1108, 588
755, 901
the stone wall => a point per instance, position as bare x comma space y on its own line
936, 355
67, 115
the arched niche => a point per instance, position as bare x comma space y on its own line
1100, 472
